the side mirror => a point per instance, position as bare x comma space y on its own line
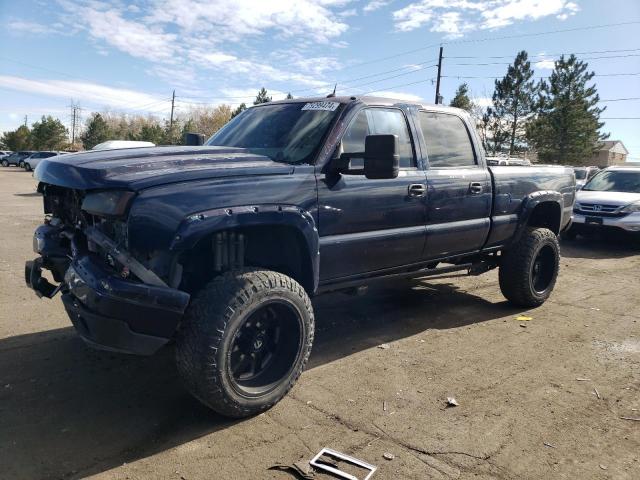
193, 139
381, 158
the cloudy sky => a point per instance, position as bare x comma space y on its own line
129, 56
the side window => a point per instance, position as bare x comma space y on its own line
379, 121
448, 142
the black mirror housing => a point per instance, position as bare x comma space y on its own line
381, 158
193, 139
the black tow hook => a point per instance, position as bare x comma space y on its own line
33, 277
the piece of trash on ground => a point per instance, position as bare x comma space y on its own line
318, 462
388, 456
603, 467
582, 379
549, 445
384, 346
633, 419
523, 318
301, 469
452, 402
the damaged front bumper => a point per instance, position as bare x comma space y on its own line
110, 312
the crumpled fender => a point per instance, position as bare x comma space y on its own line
199, 225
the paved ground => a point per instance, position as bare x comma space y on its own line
538, 399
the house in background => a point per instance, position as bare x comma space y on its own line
612, 152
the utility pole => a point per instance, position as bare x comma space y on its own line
173, 100
74, 120
25, 120
438, 97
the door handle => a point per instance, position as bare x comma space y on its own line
475, 188
417, 190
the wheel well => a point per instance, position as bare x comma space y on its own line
273, 247
546, 215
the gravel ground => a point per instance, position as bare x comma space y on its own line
537, 399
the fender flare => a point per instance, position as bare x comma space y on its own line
199, 225
529, 204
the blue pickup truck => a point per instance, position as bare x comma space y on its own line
221, 246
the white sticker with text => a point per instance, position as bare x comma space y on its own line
327, 106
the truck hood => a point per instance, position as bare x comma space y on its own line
139, 168
607, 198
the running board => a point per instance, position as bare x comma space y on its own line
471, 269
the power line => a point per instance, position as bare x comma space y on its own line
620, 99
494, 77
551, 54
510, 63
619, 118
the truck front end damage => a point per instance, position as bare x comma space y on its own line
113, 299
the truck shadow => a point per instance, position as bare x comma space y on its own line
602, 245
67, 411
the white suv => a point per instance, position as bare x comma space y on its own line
609, 199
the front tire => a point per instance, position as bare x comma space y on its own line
5, 163
245, 340
27, 167
529, 268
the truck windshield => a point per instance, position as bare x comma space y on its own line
286, 132
613, 181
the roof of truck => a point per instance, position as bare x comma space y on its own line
369, 100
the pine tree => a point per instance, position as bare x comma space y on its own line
567, 127
97, 132
262, 97
48, 134
18, 139
241, 108
513, 102
289, 96
461, 98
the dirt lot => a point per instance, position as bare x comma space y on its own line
538, 399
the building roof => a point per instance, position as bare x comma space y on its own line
609, 145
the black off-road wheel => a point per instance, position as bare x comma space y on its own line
245, 340
529, 268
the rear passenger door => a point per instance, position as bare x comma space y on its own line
459, 187
372, 224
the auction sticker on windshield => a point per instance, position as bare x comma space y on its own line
328, 106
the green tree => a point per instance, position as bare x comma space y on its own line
513, 103
262, 97
289, 96
18, 139
97, 132
237, 111
461, 98
49, 134
567, 127
151, 132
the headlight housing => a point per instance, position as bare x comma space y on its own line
108, 203
631, 208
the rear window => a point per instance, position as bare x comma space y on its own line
448, 141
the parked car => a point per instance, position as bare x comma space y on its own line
584, 174
15, 158
611, 199
5, 153
221, 246
32, 161
116, 144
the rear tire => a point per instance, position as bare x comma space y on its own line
21, 164
5, 163
27, 167
529, 268
245, 340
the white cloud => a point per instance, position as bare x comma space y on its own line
32, 28
89, 92
546, 64
375, 5
483, 101
455, 17
409, 97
